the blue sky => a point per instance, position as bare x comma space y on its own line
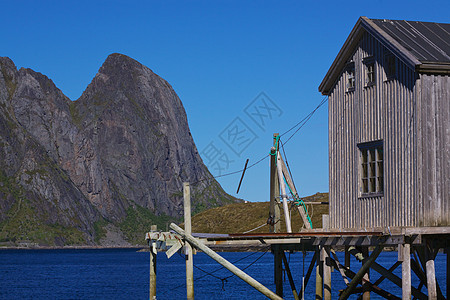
219, 56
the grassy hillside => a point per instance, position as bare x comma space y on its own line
241, 217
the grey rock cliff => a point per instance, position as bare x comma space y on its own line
120, 151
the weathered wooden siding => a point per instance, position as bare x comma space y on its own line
385, 112
434, 146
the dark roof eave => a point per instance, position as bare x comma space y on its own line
433, 68
341, 58
364, 24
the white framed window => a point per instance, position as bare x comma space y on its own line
350, 71
370, 74
371, 172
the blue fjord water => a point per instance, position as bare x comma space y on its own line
124, 274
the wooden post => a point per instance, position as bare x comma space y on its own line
236, 271
431, 277
274, 210
188, 230
347, 257
319, 275
326, 275
404, 253
278, 269
153, 253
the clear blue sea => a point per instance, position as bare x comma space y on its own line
124, 274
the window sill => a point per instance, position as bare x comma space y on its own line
370, 195
370, 84
350, 90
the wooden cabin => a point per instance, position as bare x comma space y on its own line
389, 126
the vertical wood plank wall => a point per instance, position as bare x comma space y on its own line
385, 111
434, 144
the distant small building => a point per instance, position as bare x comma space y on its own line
389, 126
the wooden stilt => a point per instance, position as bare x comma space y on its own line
291, 280
278, 269
424, 256
326, 275
153, 252
405, 253
431, 277
319, 275
189, 254
347, 257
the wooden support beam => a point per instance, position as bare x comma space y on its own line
319, 275
339, 266
309, 272
384, 272
391, 269
236, 271
326, 275
360, 274
291, 280
278, 269
188, 230
373, 287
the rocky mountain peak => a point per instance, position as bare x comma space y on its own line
119, 154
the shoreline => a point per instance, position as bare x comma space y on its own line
71, 247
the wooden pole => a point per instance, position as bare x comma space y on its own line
236, 271
188, 230
274, 210
153, 253
347, 257
319, 275
360, 274
431, 277
278, 269
287, 218
405, 253
326, 275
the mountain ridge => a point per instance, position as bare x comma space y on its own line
122, 151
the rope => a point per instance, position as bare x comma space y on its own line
299, 202
255, 228
304, 120
301, 123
